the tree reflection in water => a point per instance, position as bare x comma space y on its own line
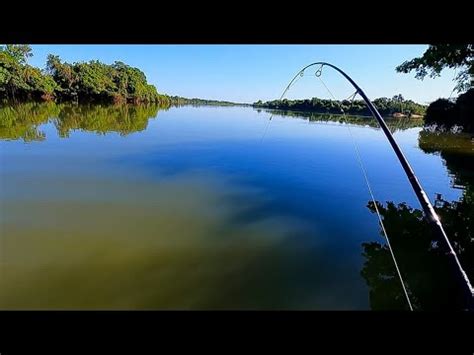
23, 121
429, 282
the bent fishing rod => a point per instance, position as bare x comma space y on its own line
467, 294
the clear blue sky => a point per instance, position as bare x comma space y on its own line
247, 73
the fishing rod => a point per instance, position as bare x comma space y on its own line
430, 215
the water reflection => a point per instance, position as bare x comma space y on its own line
190, 214
428, 279
196, 212
22, 121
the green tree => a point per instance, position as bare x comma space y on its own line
18, 80
399, 99
385, 106
79, 81
64, 76
438, 57
96, 81
19, 52
11, 71
40, 84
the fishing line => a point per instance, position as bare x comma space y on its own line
364, 172
400, 123
352, 97
318, 74
266, 128
430, 215
292, 82
397, 125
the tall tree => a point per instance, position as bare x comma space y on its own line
19, 52
12, 63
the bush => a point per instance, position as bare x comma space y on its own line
447, 114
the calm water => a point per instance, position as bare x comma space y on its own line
196, 207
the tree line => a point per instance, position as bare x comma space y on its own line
91, 81
444, 113
80, 81
180, 101
386, 106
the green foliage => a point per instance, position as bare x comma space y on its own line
64, 77
96, 81
91, 81
39, 83
438, 57
11, 74
446, 114
19, 52
180, 101
465, 107
19, 80
84, 81
385, 106
443, 112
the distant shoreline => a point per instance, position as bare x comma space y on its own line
171, 101
396, 106
180, 102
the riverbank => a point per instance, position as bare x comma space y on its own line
396, 106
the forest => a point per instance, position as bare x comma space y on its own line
386, 106
180, 101
94, 81
91, 81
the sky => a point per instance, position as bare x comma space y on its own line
248, 73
